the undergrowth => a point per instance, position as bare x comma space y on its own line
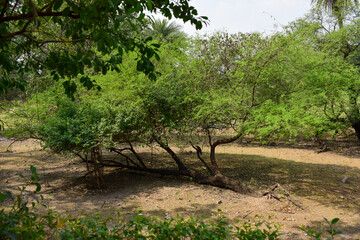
27, 221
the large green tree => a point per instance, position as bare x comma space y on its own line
71, 38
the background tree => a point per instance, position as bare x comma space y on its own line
164, 29
342, 47
336, 7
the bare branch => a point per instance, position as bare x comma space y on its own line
136, 155
128, 159
199, 153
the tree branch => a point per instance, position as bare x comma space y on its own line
13, 9
228, 140
23, 30
4, 8
111, 163
52, 41
128, 159
179, 163
40, 14
136, 155
199, 153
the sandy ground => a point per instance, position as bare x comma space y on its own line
314, 180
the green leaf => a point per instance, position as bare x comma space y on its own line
157, 56
318, 236
111, 3
2, 197
33, 169
152, 76
335, 220
176, 11
139, 66
66, 12
150, 38
141, 17
57, 5
198, 25
38, 187
149, 5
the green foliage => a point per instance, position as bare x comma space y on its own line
252, 231
21, 221
273, 87
70, 38
73, 127
329, 70
317, 235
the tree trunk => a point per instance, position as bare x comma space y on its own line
219, 180
356, 127
178, 161
213, 147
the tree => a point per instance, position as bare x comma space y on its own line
208, 87
336, 7
340, 101
71, 38
163, 28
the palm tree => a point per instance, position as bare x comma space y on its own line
163, 28
336, 7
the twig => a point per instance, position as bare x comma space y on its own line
247, 214
286, 193
14, 141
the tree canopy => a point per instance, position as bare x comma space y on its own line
78, 38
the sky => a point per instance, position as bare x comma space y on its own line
247, 15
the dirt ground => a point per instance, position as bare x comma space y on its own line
314, 180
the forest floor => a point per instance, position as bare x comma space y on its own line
313, 180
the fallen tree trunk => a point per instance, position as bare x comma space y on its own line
217, 180
222, 181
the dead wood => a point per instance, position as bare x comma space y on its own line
271, 194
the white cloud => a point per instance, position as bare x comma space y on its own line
248, 15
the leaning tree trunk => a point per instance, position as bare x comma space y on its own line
218, 179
